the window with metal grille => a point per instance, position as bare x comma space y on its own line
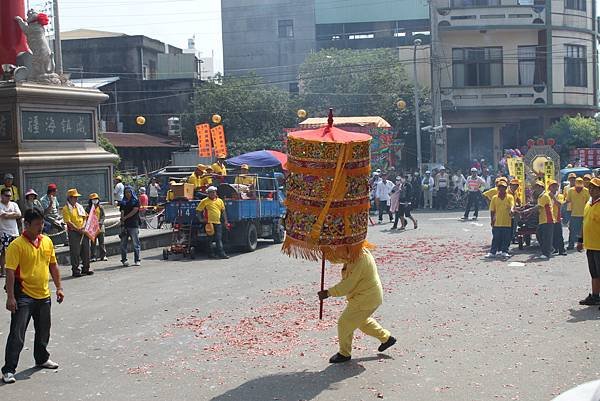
575, 66
575, 5
474, 3
477, 66
286, 28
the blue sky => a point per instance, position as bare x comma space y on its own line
171, 21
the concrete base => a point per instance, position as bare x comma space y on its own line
149, 239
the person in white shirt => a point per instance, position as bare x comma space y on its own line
487, 179
441, 186
119, 189
473, 187
153, 190
458, 182
9, 214
427, 185
382, 197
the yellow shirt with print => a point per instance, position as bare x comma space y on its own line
71, 215
30, 264
565, 193
245, 180
360, 283
591, 226
578, 200
15, 192
218, 169
195, 180
214, 209
502, 208
206, 180
490, 193
543, 201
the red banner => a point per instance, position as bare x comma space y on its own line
92, 225
218, 138
203, 133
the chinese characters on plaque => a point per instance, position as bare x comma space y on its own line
43, 125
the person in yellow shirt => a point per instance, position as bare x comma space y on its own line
244, 178
212, 210
75, 217
558, 241
515, 190
8, 183
30, 261
196, 177
170, 194
219, 166
490, 193
362, 288
590, 240
577, 198
566, 214
586, 180
501, 209
545, 229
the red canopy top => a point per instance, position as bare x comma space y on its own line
330, 133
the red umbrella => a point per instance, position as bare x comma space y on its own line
327, 195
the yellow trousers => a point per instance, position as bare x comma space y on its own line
352, 319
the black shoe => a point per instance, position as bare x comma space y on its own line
339, 358
554, 252
562, 253
464, 218
88, 273
77, 274
590, 300
223, 256
391, 341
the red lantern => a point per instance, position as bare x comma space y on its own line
540, 141
551, 141
530, 143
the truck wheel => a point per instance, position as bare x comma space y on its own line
250, 238
278, 232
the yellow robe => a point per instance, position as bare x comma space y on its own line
362, 288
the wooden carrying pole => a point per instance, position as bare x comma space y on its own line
322, 288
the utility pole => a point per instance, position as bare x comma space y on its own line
58, 65
438, 146
416, 43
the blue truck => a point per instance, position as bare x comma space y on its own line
259, 216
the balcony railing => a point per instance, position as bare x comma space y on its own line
478, 17
493, 96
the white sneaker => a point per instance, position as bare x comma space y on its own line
125, 264
137, 263
542, 257
499, 254
104, 259
48, 365
506, 255
8, 378
490, 255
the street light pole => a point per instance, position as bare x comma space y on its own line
416, 43
58, 64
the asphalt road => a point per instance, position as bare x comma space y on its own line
247, 329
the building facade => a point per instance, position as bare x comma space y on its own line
272, 38
509, 69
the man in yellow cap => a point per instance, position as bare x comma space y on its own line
219, 166
75, 217
558, 241
586, 180
362, 288
577, 198
196, 177
490, 193
590, 240
566, 213
501, 209
244, 178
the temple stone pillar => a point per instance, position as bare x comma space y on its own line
49, 134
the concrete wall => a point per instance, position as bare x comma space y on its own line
571, 18
251, 42
423, 63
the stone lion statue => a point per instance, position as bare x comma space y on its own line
42, 60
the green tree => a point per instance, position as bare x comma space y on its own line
105, 144
574, 132
253, 114
364, 83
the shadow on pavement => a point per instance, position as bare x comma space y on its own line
581, 315
295, 386
23, 375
